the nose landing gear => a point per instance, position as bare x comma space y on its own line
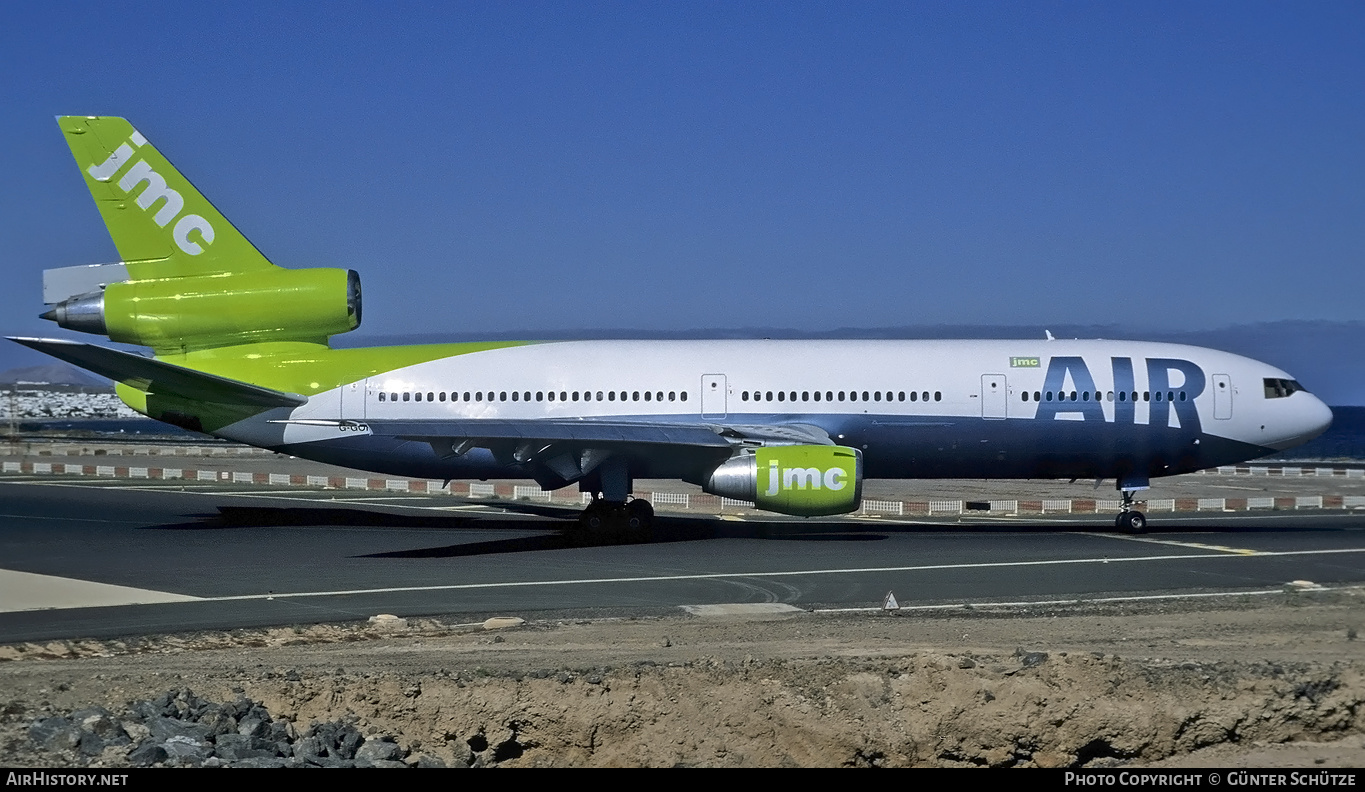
1130, 520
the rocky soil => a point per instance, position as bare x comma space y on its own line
1270, 681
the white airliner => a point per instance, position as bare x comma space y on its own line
795, 427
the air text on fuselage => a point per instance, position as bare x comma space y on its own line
1172, 386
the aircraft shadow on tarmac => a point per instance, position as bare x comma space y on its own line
562, 533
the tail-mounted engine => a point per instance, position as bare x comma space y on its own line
200, 311
802, 480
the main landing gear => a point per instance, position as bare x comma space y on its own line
611, 520
1130, 520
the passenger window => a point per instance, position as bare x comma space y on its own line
829, 396
805, 395
671, 395
540, 395
817, 395
407, 396
635, 396
683, 396
938, 395
443, 395
647, 395
914, 396
1023, 396
781, 395
1036, 395
514, 395
381, 396
900, 396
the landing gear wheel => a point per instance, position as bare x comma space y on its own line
1133, 522
639, 515
595, 518
605, 522
1130, 520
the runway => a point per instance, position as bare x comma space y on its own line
103, 559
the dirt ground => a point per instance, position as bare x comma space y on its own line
1272, 681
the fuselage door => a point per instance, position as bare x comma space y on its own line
713, 396
994, 397
1222, 397
353, 395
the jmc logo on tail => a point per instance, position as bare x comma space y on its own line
156, 190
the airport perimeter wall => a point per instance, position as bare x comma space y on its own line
676, 501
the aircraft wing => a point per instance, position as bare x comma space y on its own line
775, 434
551, 430
155, 376
589, 431
555, 451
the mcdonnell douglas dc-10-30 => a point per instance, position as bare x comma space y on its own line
241, 351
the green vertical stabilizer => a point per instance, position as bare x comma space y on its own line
162, 226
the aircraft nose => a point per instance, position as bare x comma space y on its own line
1319, 419
1310, 417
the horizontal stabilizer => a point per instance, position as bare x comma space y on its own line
154, 376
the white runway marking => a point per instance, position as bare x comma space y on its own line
25, 591
1076, 601
793, 573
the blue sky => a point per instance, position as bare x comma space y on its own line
671, 166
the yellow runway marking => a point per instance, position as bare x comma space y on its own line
1174, 543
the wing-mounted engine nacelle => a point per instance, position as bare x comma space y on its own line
218, 309
802, 480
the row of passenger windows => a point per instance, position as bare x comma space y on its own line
502, 396
1098, 396
852, 396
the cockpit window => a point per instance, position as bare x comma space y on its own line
1280, 388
